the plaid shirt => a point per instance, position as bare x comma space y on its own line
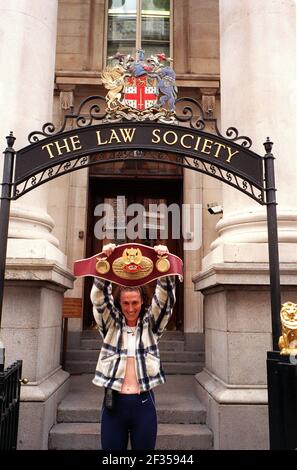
112, 325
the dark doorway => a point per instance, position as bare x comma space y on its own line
120, 193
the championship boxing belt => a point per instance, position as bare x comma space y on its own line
130, 264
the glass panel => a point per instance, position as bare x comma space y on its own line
154, 221
122, 6
121, 31
156, 6
121, 27
155, 26
115, 228
152, 48
119, 46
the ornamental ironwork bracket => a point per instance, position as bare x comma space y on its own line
93, 110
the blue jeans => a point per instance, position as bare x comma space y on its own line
133, 415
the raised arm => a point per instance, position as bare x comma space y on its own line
104, 310
162, 304
163, 299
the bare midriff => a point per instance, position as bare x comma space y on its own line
130, 384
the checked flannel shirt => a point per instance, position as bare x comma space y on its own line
111, 365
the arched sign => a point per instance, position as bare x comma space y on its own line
196, 149
51, 154
88, 135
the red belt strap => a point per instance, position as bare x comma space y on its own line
131, 264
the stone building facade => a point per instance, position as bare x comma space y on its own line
239, 60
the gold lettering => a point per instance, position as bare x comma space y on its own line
197, 143
60, 147
231, 154
98, 133
127, 134
47, 147
156, 135
165, 138
182, 140
218, 149
76, 145
207, 146
114, 136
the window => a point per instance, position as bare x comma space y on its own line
138, 24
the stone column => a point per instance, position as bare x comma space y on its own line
193, 313
36, 275
258, 86
258, 89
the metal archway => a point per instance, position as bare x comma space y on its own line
87, 135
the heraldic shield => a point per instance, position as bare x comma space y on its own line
140, 92
140, 86
131, 264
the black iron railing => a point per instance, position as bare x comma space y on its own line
10, 387
282, 396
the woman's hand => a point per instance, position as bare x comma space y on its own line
108, 249
161, 250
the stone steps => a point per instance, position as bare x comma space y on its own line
176, 401
88, 367
166, 356
175, 359
86, 436
167, 335
164, 345
165, 416
181, 416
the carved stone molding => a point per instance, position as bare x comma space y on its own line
208, 102
67, 97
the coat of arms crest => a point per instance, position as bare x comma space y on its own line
140, 92
142, 86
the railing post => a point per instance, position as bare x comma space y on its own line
9, 154
275, 294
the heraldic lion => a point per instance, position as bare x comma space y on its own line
113, 80
288, 341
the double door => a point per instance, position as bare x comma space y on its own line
123, 211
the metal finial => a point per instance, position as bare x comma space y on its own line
10, 139
268, 145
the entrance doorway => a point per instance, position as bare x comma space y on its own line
119, 194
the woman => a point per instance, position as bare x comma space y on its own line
129, 361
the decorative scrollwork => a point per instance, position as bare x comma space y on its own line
95, 112
93, 108
194, 116
208, 168
85, 115
192, 112
83, 161
179, 158
66, 166
48, 129
213, 169
233, 135
88, 113
49, 174
261, 198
